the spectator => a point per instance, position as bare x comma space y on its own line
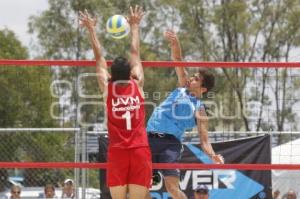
276, 194
49, 192
201, 192
68, 189
15, 192
291, 194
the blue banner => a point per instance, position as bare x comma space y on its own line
226, 184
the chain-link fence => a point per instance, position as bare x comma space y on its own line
77, 145
49, 145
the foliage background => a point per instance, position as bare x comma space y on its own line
219, 30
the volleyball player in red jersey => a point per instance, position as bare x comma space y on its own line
129, 159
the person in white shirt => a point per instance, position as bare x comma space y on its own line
15, 192
49, 192
68, 189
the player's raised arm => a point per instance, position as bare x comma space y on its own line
101, 67
134, 18
176, 56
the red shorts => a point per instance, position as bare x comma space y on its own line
129, 166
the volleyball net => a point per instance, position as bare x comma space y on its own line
53, 126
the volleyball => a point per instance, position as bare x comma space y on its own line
117, 27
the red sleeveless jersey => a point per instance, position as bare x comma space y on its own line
126, 116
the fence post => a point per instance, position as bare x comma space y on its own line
77, 159
84, 159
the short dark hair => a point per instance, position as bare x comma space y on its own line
208, 79
49, 186
120, 69
15, 187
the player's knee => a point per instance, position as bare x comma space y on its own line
172, 188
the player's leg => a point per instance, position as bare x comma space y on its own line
148, 195
137, 191
140, 173
172, 154
117, 172
118, 192
155, 148
172, 186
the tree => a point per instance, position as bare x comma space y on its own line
234, 30
26, 102
222, 30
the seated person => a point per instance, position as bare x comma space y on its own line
49, 192
201, 192
68, 189
291, 194
15, 192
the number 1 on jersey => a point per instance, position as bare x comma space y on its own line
126, 115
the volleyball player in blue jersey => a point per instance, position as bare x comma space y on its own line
180, 111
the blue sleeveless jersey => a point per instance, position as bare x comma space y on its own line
175, 115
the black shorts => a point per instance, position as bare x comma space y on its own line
165, 148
